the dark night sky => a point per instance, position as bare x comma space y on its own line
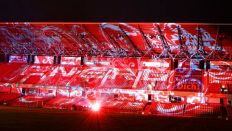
117, 11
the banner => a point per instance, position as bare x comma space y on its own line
70, 61
44, 60
18, 59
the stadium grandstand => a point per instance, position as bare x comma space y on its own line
165, 69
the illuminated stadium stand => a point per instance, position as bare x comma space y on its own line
175, 66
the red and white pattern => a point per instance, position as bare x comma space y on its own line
44, 60
70, 61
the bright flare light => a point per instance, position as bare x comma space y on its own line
96, 107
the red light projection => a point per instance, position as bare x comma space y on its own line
113, 39
157, 68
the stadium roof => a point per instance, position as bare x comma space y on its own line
174, 40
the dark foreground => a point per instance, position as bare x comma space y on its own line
35, 119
